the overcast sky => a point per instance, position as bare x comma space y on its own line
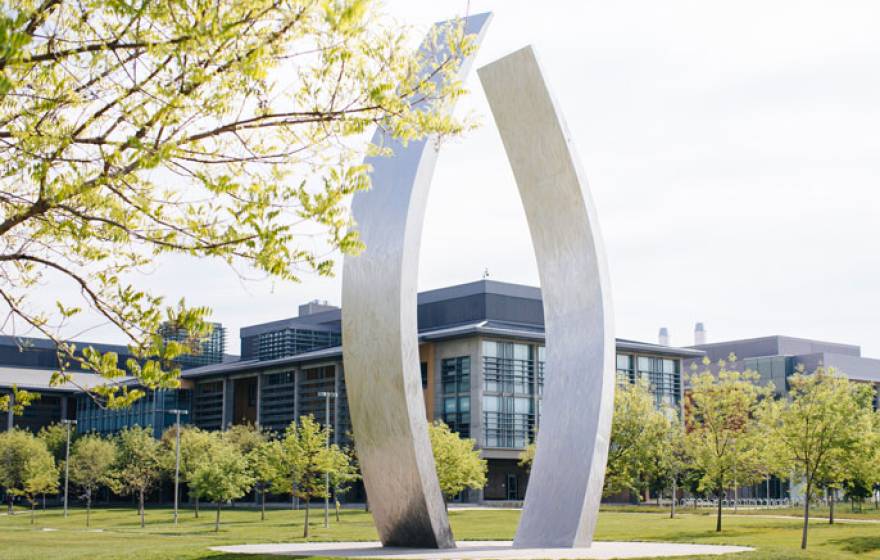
733, 152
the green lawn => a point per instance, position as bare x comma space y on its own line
116, 533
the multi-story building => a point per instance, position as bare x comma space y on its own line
211, 349
482, 370
776, 358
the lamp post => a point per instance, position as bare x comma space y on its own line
327, 396
67, 423
176, 412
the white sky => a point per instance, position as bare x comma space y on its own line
732, 151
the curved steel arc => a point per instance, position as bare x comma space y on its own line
380, 353
565, 486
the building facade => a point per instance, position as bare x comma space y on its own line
482, 370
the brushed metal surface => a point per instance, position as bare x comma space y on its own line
565, 486
380, 351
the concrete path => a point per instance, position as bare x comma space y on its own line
484, 550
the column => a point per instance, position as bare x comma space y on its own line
259, 399
337, 386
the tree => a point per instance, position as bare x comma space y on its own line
138, 463
637, 453
303, 459
244, 437
458, 463
343, 472
55, 437
136, 129
820, 425
91, 467
196, 448
223, 478
40, 475
527, 457
21, 456
264, 461
723, 440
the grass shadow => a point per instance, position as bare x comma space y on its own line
858, 545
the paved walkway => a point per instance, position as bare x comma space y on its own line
484, 550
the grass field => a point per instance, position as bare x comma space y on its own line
116, 534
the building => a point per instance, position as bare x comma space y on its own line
775, 358
211, 349
482, 369
29, 363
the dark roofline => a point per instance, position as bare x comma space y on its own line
315, 321
28, 342
484, 286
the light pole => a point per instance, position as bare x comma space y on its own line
67, 423
327, 396
176, 412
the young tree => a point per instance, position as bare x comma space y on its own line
138, 463
16, 448
637, 453
92, 459
527, 457
343, 473
130, 131
820, 425
244, 437
40, 476
723, 440
55, 437
196, 448
458, 464
264, 462
303, 460
223, 478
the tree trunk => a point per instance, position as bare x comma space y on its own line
366, 504
217, 519
88, 508
336, 505
306, 524
831, 508
44, 502
718, 521
197, 507
10, 509
806, 515
141, 508
672, 501
263, 504
33, 509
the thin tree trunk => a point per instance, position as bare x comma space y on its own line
263, 504
141, 508
33, 510
806, 515
217, 520
197, 507
366, 504
672, 502
306, 524
10, 509
718, 521
44, 502
336, 505
88, 508
830, 508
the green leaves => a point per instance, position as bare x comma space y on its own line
458, 463
236, 132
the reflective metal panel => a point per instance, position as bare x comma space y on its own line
380, 348
562, 499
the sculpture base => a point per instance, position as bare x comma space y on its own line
484, 550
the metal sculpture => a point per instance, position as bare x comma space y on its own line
380, 350
381, 353
565, 485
